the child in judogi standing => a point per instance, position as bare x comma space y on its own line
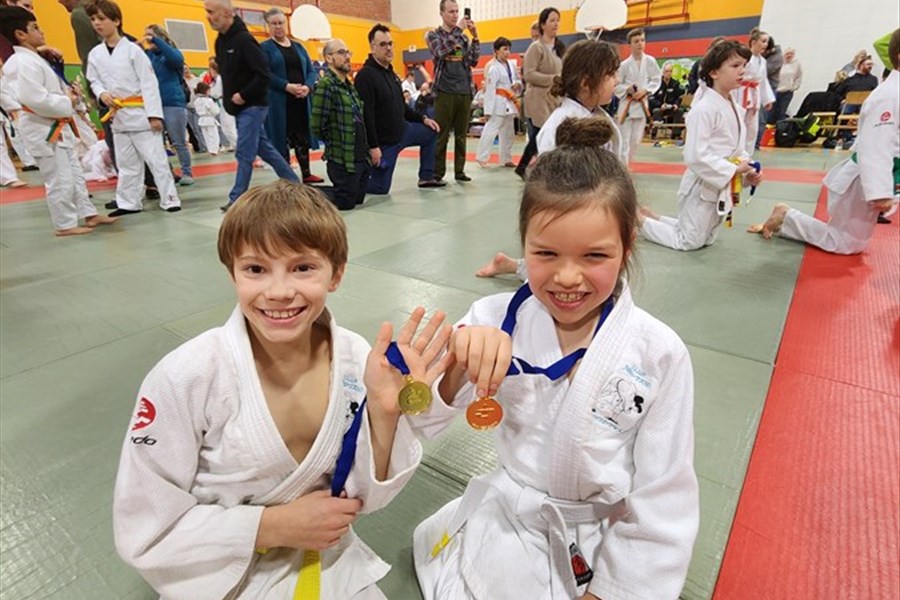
207, 110
715, 154
255, 445
755, 90
46, 125
594, 431
860, 187
501, 105
122, 78
639, 78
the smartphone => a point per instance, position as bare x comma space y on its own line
467, 13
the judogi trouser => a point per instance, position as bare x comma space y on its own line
19, 146
632, 134
848, 231
502, 125
64, 185
133, 149
697, 225
7, 169
210, 135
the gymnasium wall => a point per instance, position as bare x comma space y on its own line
827, 33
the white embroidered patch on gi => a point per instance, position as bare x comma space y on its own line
353, 393
622, 401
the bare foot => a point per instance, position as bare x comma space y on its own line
15, 183
647, 213
482, 163
501, 264
773, 223
73, 231
100, 220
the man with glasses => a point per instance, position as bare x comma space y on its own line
337, 119
454, 57
245, 85
397, 126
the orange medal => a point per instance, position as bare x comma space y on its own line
485, 413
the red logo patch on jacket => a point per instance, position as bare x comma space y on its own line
886, 116
146, 413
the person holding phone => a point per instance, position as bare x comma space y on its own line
454, 57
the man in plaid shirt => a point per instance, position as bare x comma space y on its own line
454, 56
337, 120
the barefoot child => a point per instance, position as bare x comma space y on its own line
714, 154
589, 76
501, 105
207, 111
639, 78
46, 124
122, 78
596, 495
222, 490
860, 187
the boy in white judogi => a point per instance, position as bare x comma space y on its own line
755, 90
255, 445
714, 153
860, 187
207, 110
639, 78
46, 125
122, 78
501, 105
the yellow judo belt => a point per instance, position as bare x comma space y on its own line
309, 578
118, 103
56, 128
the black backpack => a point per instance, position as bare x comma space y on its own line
787, 132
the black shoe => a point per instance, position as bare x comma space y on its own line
432, 183
123, 211
463, 177
173, 209
225, 207
152, 194
111, 205
521, 173
883, 219
30, 168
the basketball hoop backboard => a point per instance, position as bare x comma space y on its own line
309, 23
596, 16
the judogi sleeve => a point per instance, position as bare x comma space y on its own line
406, 454
654, 76
877, 144
33, 93
646, 553
8, 99
182, 548
149, 84
625, 82
93, 73
699, 156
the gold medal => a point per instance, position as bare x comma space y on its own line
485, 413
414, 397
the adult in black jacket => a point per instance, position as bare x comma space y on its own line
391, 125
245, 81
666, 101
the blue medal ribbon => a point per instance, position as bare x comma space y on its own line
560, 368
349, 443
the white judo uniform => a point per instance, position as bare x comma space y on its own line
42, 95
716, 134
126, 72
97, 163
203, 457
207, 111
603, 461
645, 74
11, 105
755, 91
500, 109
871, 173
546, 139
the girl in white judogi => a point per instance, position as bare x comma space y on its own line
860, 187
207, 110
122, 77
589, 75
595, 495
97, 162
639, 78
46, 125
755, 90
714, 154
502, 88
238, 434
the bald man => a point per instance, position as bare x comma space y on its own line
245, 84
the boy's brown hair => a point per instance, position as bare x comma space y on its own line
280, 217
109, 9
636, 32
718, 55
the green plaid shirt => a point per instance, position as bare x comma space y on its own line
336, 110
